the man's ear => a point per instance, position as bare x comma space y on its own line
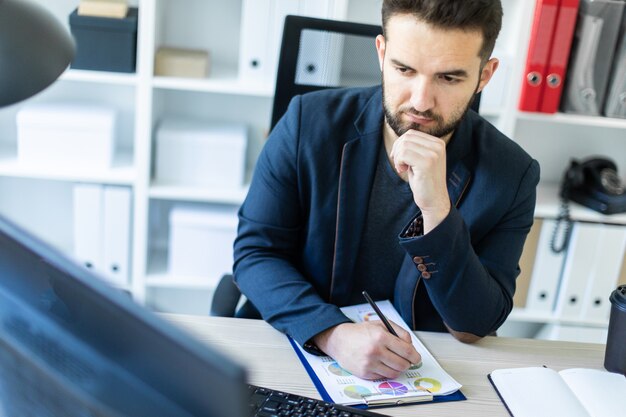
487, 72
380, 50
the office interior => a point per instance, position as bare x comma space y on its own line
142, 211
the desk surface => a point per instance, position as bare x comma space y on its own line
272, 362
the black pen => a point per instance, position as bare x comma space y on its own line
380, 314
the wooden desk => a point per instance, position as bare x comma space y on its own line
272, 362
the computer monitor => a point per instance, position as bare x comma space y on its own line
72, 346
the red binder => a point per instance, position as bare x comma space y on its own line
538, 52
559, 55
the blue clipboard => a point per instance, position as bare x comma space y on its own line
455, 396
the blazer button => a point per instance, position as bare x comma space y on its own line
426, 275
418, 259
421, 267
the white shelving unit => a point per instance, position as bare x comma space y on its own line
41, 200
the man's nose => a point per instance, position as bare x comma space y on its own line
422, 97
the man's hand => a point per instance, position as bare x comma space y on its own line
368, 350
423, 158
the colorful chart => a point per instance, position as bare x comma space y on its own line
427, 384
392, 388
370, 316
334, 368
356, 391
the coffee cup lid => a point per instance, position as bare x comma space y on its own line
618, 297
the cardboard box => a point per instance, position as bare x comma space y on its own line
66, 135
103, 8
198, 153
104, 43
201, 241
179, 62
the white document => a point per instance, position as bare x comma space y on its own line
544, 392
582, 254
319, 58
604, 272
546, 273
116, 242
88, 225
426, 379
318, 8
282, 8
256, 27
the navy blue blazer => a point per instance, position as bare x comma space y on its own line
301, 222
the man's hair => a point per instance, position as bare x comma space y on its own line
481, 15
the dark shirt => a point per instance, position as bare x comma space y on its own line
390, 208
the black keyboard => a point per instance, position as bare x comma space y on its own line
266, 402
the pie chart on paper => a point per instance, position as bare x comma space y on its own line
392, 388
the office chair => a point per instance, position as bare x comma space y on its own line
315, 54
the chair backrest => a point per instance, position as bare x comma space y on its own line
320, 53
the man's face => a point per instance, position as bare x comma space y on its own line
430, 75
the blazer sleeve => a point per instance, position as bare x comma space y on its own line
471, 284
266, 250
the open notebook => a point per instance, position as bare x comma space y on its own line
576, 392
425, 382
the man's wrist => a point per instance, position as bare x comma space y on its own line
432, 219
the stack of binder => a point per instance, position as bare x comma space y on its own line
548, 52
594, 58
102, 230
261, 32
573, 285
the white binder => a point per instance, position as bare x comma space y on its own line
604, 272
319, 58
116, 236
546, 273
583, 250
256, 27
88, 224
282, 8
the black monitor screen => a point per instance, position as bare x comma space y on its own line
72, 346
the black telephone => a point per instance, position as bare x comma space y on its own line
594, 183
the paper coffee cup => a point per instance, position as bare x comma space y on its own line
615, 354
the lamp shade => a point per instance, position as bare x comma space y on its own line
35, 48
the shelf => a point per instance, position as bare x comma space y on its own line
548, 205
221, 81
198, 194
573, 119
122, 173
103, 77
543, 317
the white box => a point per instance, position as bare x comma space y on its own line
66, 134
193, 152
201, 241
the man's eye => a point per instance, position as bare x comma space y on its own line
402, 70
448, 79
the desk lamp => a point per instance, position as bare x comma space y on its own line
35, 49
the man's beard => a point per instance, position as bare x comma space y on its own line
440, 129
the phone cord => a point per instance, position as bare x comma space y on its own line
564, 223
